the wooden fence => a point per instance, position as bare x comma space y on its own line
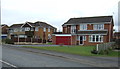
104, 46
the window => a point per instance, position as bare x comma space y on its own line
15, 30
36, 28
96, 38
98, 26
32, 29
84, 38
27, 29
78, 37
83, 26
48, 29
44, 29
54, 30
22, 36
73, 29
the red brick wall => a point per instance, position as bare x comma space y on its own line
53, 39
89, 26
73, 40
64, 30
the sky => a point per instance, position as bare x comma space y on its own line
56, 12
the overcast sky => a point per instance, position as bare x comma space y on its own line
55, 12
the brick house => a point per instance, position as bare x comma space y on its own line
86, 31
4, 33
31, 32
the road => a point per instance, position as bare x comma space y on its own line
22, 58
17, 56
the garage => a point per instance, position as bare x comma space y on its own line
63, 39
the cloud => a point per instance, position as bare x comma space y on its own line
55, 12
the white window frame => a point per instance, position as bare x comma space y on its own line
84, 38
36, 28
98, 26
73, 29
44, 29
100, 38
27, 28
83, 26
48, 29
33, 29
78, 38
54, 30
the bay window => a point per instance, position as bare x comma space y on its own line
95, 38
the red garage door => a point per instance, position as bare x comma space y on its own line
66, 40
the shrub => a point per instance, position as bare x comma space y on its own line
117, 42
104, 52
44, 41
94, 52
9, 41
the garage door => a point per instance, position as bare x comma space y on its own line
66, 40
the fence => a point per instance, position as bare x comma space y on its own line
104, 46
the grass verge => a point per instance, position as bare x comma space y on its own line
78, 50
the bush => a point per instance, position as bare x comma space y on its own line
9, 41
104, 52
117, 42
94, 52
44, 41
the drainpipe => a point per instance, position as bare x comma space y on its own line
110, 33
18, 39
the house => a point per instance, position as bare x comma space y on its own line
117, 35
4, 32
31, 32
86, 31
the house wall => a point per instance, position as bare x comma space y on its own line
89, 26
43, 35
73, 39
4, 29
53, 39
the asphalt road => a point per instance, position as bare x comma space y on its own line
21, 58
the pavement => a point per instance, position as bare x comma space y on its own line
87, 61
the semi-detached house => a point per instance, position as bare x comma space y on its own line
86, 31
31, 32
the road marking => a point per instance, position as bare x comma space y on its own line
8, 64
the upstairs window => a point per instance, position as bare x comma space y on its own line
27, 29
73, 29
36, 28
54, 30
98, 26
44, 29
48, 29
83, 26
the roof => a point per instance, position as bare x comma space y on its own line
36, 24
93, 32
95, 19
16, 25
117, 34
3, 25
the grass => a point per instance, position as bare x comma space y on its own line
79, 50
49, 43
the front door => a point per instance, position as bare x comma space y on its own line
81, 40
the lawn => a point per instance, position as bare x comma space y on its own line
79, 50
